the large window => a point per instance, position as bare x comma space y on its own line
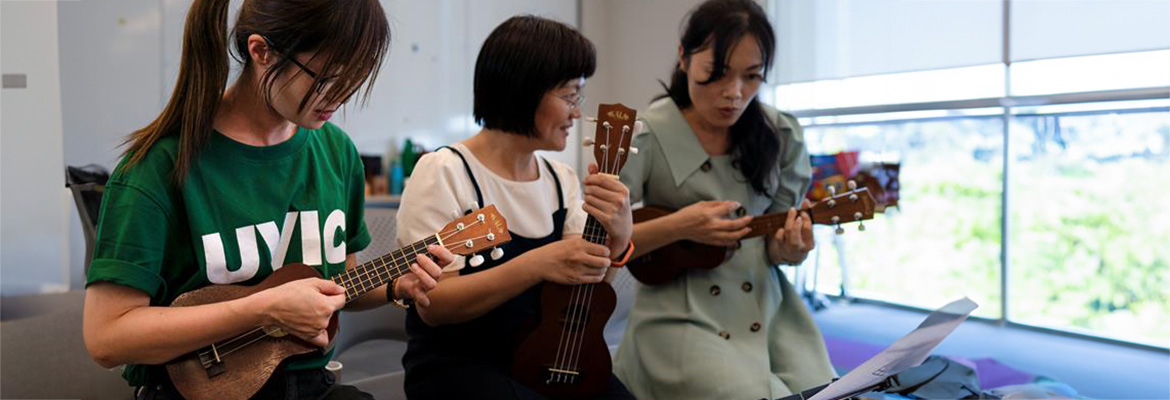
1090, 230
1034, 182
944, 241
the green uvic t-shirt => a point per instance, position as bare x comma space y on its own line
242, 212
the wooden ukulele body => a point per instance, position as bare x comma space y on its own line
241, 375
668, 262
565, 359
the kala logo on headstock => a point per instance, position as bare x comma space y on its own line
615, 132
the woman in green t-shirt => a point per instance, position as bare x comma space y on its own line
229, 184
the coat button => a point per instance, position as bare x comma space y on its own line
725, 335
755, 327
747, 286
715, 290
706, 166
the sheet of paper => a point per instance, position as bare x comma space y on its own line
908, 352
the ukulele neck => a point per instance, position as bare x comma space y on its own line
382, 270
768, 224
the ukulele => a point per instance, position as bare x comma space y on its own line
236, 367
565, 355
664, 264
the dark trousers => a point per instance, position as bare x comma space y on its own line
311, 384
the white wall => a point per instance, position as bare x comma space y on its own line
637, 44
33, 201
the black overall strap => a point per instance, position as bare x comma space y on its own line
470, 175
560, 193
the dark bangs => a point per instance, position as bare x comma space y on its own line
353, 37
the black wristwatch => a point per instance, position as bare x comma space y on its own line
400, 303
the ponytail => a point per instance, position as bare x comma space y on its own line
203, 74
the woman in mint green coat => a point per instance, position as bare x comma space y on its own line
738, 331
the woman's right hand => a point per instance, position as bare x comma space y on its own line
706, 222
303, 307
572, 261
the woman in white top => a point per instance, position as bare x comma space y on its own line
528, 81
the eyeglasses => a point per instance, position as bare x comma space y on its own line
574, 100
319, 87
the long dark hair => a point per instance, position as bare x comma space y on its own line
755, 140
352, 36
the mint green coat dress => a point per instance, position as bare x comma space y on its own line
738, 331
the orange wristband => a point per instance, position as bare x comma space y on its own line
625, 257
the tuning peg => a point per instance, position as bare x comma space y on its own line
832, 190
473, 206
861, 226
852, 184
497, 253
634, 151
639, 127
587, 142
475, 261
591, 119
840, 231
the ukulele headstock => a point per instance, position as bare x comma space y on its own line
482, 229
854, 205
615, 132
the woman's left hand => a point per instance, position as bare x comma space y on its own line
424, 275
608, 201
791, 244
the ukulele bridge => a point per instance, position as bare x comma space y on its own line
560, 376
212, 362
